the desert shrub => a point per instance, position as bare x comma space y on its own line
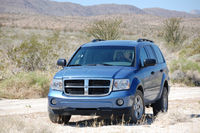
31, 55
194, 47
186, 68
52, 40
173, 32
25, 85
1, 64
185, 71
0, 29
191, 51
108, 29
184, 65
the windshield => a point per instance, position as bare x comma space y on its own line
104, 55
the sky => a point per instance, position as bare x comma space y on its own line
179, 5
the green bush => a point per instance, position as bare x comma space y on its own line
25, 85
31, 55
173, 32
105, 29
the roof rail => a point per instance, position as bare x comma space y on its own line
97, 40
144, 40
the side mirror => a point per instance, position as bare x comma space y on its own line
149, 62
61, 62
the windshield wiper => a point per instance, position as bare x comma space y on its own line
76, 65
104, 64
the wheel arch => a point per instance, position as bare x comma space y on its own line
137, 85
140, 88
164, 83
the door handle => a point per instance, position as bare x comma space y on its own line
152, 72
161, 70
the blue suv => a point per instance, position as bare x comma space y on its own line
113, 77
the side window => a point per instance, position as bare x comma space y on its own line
151, 52
143, 55
158, 54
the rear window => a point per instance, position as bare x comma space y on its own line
158, 54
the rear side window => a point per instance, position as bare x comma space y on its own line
151, 52
143, 56
158, 54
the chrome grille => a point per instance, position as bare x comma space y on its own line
87, 87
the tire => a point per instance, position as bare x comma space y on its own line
66, 118
60, 119
162, 104
138, 109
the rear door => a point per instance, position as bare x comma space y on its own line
161, 67
154, 71
146, 77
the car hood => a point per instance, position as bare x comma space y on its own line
95, 72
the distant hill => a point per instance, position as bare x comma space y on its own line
196, 12
167, 13
52, 8
114, 9
47, 7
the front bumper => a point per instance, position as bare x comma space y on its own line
92, 111
90, 105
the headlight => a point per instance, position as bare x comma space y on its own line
57, 84
121, 84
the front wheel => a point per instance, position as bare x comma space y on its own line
60, 119
162, 104
138, 109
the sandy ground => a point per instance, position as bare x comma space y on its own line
31, 116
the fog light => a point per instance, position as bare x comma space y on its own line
120, 102
53, 101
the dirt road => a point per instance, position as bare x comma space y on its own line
31, 116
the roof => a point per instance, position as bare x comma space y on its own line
127, 43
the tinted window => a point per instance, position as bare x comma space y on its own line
151, 52
158, 54
143, 55
104, 55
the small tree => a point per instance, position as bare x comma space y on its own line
173, 32
105, 29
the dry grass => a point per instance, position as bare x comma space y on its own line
41, 124
133, 25
171, 118
26, 85
20, 124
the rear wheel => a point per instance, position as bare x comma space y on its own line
162, 104
138, 109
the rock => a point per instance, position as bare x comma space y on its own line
177, 75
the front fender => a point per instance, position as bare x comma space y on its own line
135, 84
